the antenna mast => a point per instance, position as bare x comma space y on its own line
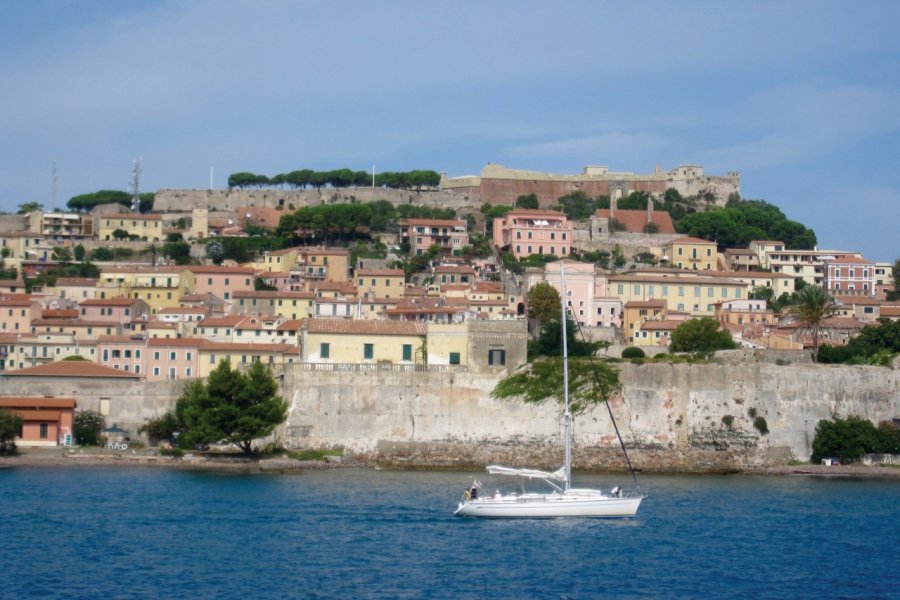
53, 188
136, 185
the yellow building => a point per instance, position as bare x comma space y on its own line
145, 227
328, 264
693, 293
448, 344
279, 261
354, 341
380, 283
692, 254
274, 355
159, 287
290, 305
636, 312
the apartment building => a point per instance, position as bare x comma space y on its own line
450, 235
531, 231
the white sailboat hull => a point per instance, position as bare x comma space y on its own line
574, 503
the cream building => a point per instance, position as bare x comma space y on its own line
692, 254
148, 227
693, 293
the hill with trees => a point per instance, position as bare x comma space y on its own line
337, 178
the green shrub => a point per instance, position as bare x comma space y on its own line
701, 335
751, 412
728, 421
176, 452
761, 426
633, 352
850, 438
88, 426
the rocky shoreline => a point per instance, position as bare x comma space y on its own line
54, 458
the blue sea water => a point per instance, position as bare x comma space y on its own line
148, 533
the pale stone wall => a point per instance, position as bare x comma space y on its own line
670, 415
180, 200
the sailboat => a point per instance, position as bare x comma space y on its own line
562, 500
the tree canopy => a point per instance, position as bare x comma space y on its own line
88, 427
542, 380
231, 407
10, 425
875, 345
851, 438
736, 226
543, 302
812, 305
338, 178
700, 335
87, 202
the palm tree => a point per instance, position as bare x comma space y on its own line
812, 306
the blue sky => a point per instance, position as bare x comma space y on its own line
803, 98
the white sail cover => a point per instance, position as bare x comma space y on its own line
558, 475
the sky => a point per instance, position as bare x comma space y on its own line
803, 98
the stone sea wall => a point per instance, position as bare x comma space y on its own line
673, 417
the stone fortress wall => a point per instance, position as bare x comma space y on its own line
181, 201
500, 185
671, 416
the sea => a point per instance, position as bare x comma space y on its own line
158, 533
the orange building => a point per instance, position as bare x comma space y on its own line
45, 421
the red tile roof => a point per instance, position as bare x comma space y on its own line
646, 304
108, 302
691, 240
72, 368
76, 282
433, 223
380, 273
133, 216
226, 321
365, 327
853, 260
36, 402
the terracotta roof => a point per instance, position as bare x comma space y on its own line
36, 402
646, 304
635, 220
666, 325
275, 295
740, 251
453, 270
76, 281
134, 216
536, 212
380, 273
853, 260
365, 327
689, 278
108, 302
433, 223
215, 270
186, 342
283, 251
181, 310
767, 242
16, 300
319, 250
890, 311
286, 348
691, 240
860, 300
66, 313
225, 321
121, 339
290, 325
72, 368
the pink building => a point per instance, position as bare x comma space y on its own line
850, 275
114, 310
586, 292
221, 281
450, 235
17, 312
46, 421
173, 358
530, 231
125, 352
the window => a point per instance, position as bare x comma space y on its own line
172, 374
709, 293
665, 290
620, 289
137, 353
368, 351
212, 359
637, 289
454, 358
156, 371
172, 355
496, 357
680, 290
324, 350
187, 372
44, 432
407, 351
187, 356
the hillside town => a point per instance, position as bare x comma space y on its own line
114, 292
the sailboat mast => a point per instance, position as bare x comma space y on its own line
567, 417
